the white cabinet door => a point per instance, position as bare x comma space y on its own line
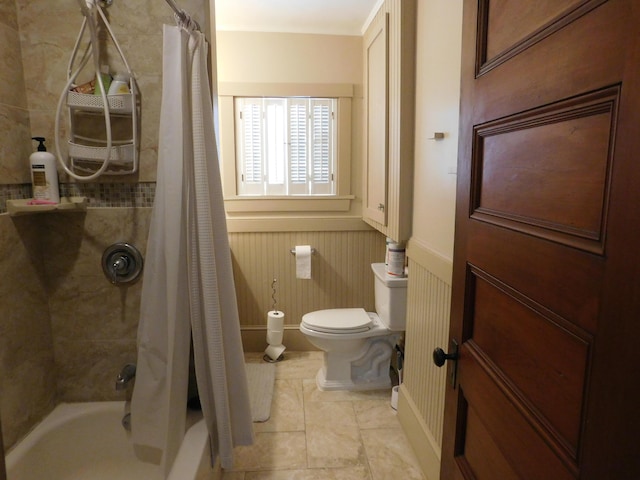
377, 125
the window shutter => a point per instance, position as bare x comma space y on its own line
321, 146
275, 136
298, 146
250, 148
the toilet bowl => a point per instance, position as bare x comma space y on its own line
358, 345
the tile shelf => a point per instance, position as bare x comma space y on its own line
67, 204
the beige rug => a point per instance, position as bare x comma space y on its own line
261, 378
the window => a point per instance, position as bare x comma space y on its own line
247, 206
285, 146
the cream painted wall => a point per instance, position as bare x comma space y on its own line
288, 58
421, 401
437, 110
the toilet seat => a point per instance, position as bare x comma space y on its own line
338, 320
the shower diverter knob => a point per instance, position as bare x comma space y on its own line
122, 263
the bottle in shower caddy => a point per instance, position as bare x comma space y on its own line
44, 176
106, 80
396, 259
120, 84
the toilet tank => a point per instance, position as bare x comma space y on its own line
391, 297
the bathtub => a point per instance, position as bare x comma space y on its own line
87, 441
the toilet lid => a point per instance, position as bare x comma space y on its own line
351, 320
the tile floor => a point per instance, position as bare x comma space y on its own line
316, 435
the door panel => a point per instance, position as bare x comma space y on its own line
507, 27
483, 454
531, 267
584, 56
547, 244
522, 352
547, 170
518, 437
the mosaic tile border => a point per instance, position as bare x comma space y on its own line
98, 194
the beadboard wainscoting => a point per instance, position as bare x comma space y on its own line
421, 400
341, 277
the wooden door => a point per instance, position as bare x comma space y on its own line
546, 286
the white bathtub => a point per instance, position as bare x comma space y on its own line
87, 441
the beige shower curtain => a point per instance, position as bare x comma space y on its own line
188, 283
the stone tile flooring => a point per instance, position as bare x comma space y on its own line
316, 435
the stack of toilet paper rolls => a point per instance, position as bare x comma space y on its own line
275, 333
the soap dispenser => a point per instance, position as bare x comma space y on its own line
44, 176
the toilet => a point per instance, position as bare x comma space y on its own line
357, 344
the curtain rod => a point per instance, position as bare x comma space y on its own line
184, 17
174, 7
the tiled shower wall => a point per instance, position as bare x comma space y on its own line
27, 381
14, 114
64, 330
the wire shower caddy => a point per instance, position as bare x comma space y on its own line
95, 153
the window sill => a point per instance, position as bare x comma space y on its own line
288, 204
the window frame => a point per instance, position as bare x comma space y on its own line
235, 203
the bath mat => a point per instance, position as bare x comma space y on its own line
261, 378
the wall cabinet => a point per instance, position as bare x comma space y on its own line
376, 56
389, 81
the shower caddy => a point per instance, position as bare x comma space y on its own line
92, 155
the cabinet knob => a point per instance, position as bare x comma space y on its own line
381, 207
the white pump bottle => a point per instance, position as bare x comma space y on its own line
44, 176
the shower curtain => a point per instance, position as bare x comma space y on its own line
188, 288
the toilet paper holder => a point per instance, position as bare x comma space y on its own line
293, 251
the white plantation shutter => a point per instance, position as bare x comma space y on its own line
298, 146
286, 146
250, 140
321, 146
275, 127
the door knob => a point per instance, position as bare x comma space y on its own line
440, 357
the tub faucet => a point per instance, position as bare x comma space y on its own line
125, 376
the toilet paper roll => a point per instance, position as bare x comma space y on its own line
303, 262
394, 397
275, 327
274, 351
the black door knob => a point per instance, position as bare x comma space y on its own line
439, 357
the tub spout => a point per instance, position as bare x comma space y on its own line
125, 376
